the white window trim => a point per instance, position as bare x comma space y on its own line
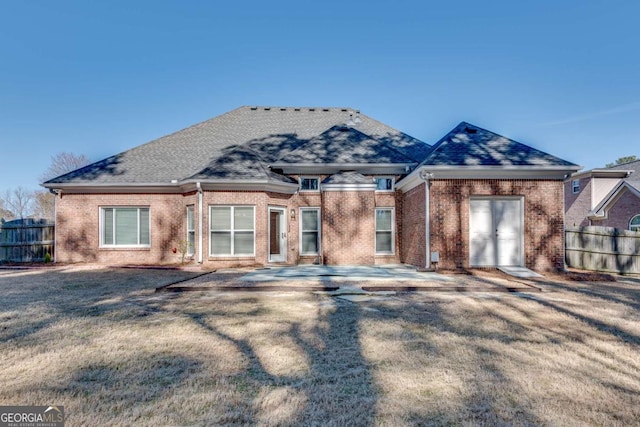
191, 250
634, 225
317, 178
393, 231
101, 226
317, 210
231, 255
575, 186
393, 183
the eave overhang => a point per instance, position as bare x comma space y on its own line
485, 172
178, 187
602, 173
331, 168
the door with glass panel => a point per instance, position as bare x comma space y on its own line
277, 235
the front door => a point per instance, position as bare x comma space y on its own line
277, 235
495, 232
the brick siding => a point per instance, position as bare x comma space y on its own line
619, 215
577, 205
348, 234
348, 224
413, 227
543, 219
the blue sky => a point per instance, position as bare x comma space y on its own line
98, 78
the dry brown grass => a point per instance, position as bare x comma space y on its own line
104, 345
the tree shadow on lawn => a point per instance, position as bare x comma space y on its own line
340, 385
622, 293
51, 296
460, 375
110, 391
337, 387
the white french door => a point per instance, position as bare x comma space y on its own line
496, 232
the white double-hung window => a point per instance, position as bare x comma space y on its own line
124, 226
384, 231
232, 230
191, 230
310, 231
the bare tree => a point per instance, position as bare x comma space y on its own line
5, 214
19, 201
44, 204
62, 163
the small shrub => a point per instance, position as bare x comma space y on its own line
47, 257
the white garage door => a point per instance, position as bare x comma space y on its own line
496, 232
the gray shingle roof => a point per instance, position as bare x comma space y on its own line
348, 177
630, 166
469, 145
634, 179
344, 145
251, 137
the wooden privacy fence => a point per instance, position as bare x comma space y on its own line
26, 240
603, 249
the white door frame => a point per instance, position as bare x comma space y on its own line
282, 235
495, 232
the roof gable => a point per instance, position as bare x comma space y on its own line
600, 211
469, 145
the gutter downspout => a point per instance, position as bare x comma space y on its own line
55, 193
426, 176
200, 215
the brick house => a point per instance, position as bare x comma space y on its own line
608, 197
262, 185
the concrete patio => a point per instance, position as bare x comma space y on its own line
349, 280
348, 273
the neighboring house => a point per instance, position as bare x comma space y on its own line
608, 197
261, 185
